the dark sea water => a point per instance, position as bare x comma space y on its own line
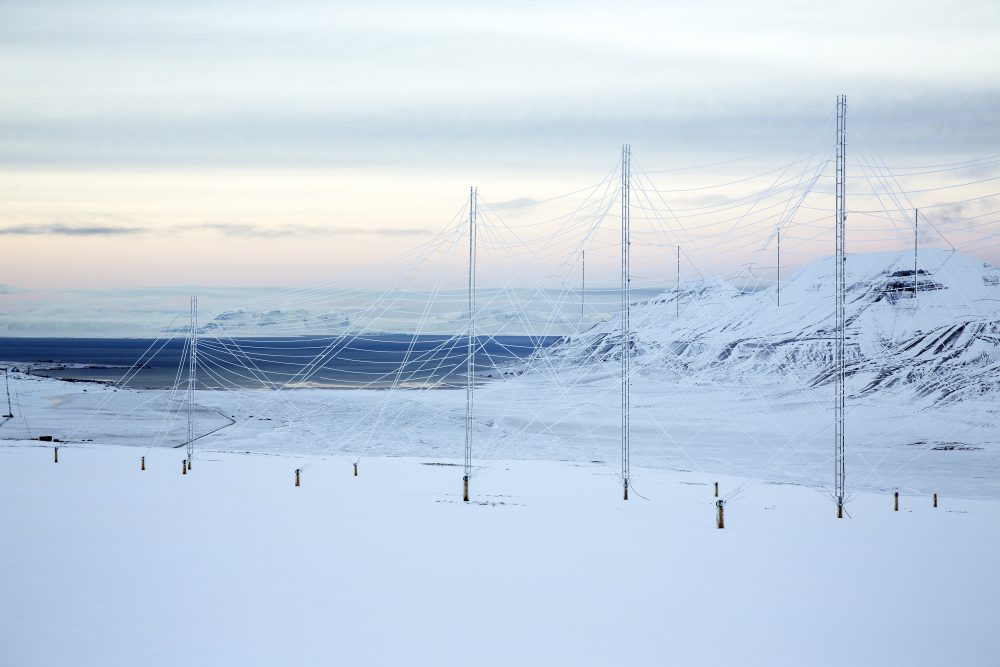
336, 362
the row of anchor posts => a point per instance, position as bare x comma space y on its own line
719, 504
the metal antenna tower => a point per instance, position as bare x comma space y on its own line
839, 346
779, 267
192, 375
678, 299
470, 358
10, 412
626, 307
916, 221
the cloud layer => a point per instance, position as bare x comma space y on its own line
251, 142
225, 229
363, 84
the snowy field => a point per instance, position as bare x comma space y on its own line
775, 432
104, 564
232, 565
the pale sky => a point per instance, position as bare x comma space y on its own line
276, 144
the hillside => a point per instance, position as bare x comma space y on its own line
939, 343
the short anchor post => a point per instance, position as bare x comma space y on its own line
56, 452
355, 468
719, 514
935, 500
465, 488
184, 467
142, 464
189, 464
626, 489
298, 471
896, 502
716, 489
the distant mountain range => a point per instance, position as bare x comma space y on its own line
933, 336
243, 322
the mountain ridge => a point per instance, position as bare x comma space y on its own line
940, 341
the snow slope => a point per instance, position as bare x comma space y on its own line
108, 566
244, 322
764, 431
942, 346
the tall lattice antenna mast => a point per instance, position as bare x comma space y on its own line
677, 301
779, 267
470, 359
192, 377
10, 412
626, 308
839, 346
916, 222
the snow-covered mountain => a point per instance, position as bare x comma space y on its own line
279, 322
297, 322
940, 341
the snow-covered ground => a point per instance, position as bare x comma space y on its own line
103, 564
772, 433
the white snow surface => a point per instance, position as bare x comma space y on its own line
232, 565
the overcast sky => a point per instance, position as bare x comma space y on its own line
262, 142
